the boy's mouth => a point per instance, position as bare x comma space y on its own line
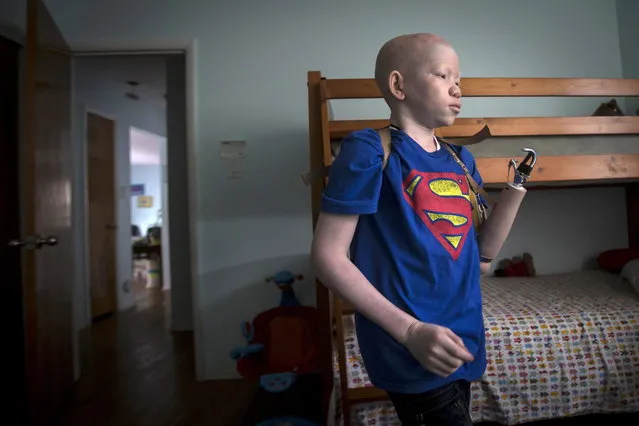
455, 107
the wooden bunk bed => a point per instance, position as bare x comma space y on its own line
612, 162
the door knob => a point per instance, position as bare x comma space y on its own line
49, 241
34, 242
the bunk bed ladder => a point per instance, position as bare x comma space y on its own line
338, 315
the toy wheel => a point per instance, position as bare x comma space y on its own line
277, 382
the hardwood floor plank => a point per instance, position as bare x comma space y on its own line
141, 374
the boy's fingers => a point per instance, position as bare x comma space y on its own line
440, 368
456, 338
457, 349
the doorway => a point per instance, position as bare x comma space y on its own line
131, 355
44, 220
135, 101
149, 212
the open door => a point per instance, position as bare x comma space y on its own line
100, 140
46, 242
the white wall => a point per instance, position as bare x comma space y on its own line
566, 229
251, 79
627, 13
151, 177
96, 91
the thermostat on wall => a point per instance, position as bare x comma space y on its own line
233, 149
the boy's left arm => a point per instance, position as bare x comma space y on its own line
469, 160
496, 228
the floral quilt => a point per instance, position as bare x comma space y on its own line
557, 345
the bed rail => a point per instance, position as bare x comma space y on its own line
363, 88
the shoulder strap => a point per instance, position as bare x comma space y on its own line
477, 189
317, 174
385, 136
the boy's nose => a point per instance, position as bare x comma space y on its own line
455, 91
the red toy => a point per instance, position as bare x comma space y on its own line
282, 341
518, 266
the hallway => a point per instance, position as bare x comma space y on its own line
141, 374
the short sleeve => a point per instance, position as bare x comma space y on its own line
355, 176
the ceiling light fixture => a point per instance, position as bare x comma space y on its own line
132, 94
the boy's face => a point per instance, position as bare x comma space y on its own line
431, 87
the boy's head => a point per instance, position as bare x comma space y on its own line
418, 75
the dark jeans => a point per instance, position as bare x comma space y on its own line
448, 405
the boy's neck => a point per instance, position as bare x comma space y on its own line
423, 135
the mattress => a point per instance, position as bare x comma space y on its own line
557, 345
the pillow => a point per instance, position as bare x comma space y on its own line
630, 272
614, 260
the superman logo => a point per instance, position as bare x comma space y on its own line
442, 202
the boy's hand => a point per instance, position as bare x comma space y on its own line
437, 348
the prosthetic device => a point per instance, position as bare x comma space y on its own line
497, 225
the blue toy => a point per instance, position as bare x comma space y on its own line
285, 281
251, 348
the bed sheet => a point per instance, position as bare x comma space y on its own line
558, 345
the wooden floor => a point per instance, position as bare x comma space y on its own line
141, 374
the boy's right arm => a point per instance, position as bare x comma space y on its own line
355, 180
329, 252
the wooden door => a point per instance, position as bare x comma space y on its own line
11, 313
46, 240
102, 224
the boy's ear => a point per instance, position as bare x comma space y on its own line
396, 85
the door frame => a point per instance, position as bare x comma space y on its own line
189, 48
86, 255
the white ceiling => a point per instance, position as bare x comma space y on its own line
116, 70
112, 72
145, 147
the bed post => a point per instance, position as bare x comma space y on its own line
322, 295
632, 209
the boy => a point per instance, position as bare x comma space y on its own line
414, 267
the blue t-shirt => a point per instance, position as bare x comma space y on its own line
415, 242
